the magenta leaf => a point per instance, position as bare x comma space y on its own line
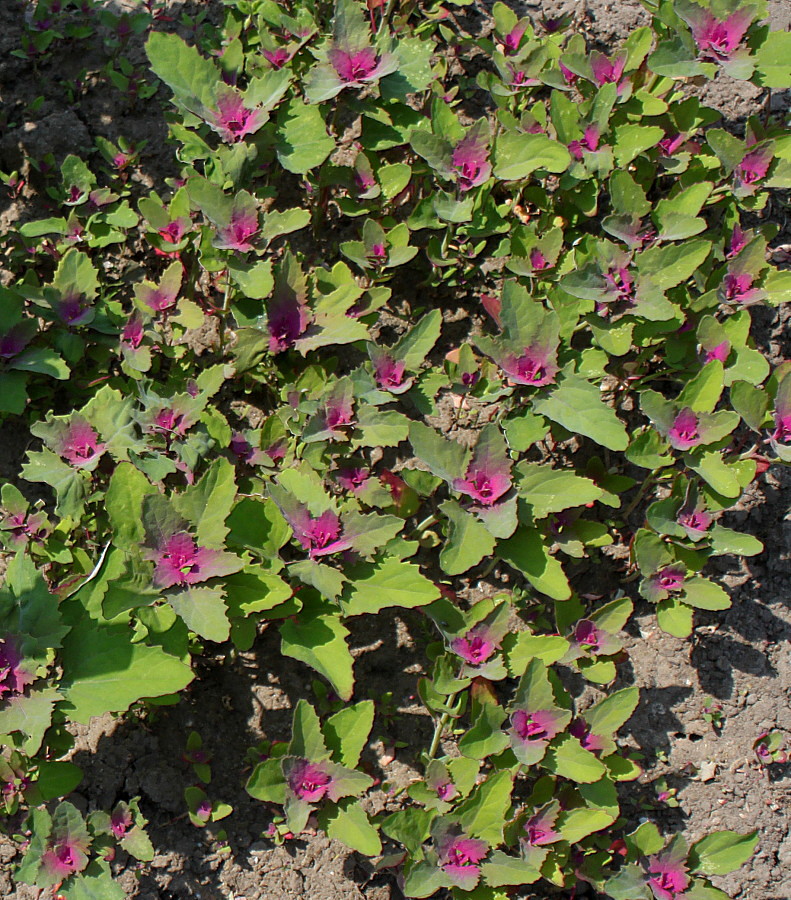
488, 474
753, 168
180, 561
288, 316
459, 856
696, 522
160, 297
243, 226
470, 157
684, 433
354, 66
13, 675
737, 287
79, 444
539, 828
232, 119
536, 366
14, 340
717, 39
668, 580
667, 876
476, 646
308, 781
133, 332
608, 71
66, 849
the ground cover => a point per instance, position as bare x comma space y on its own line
388, 392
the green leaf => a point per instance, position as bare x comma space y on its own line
704, 594
568, 758
673, 617
609, 714
255, 281
68, 483
484, 814
348, 823
410, 827
207, 504
468, 540
43, 360
347, 731
123, 502
528, 553
319, 640
725, 540
267, 782
773, 61
278, 223
303, 142
390, 582
549, 490
203, 611
577, 405
628, 884
523, 647
501, 869
484, 737
703, 392
713, 470
30, 714
57, 778
255, 590
672, 264
576, 824
517, 155
104, 672
722, 852
94, 883
258, 526
393, 178
414, 74
632, 140
307, 739
380, 428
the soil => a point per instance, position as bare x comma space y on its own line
741, 659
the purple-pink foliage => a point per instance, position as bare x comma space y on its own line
536, 366
13, 677
14, 341
684, 433
459, 857
608, 71
667, 876
354, 67
669, 579
389, 372
536, 726
476, 646
180, 561
232, 120
696, 522
484, 483
717, 39
238, 233
470, 160
65, 855
539, 829
309, 781
79, 444
319, 535
589, 141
